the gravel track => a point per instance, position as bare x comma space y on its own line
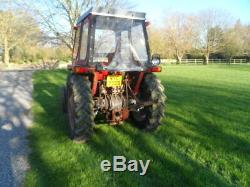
15, 117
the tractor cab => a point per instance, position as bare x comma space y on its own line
113, 40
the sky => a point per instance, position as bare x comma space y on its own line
157, 9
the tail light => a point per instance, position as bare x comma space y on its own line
155, 69
83, 70
104, 72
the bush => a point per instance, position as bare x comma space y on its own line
36, 53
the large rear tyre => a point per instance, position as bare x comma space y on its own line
80, 107
149, 118
63, 92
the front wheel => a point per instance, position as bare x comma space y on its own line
80, 107
150, 117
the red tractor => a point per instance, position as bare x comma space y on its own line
112, 73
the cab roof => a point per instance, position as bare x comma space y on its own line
101, 11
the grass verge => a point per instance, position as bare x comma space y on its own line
204, 140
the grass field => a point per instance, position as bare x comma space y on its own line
204, 140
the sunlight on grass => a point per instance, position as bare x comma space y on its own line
204, 141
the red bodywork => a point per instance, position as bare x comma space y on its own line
101, 75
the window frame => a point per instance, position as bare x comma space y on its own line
83, 24
78, 61
76, 49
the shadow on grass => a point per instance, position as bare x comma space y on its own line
58, 161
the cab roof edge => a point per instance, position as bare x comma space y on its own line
102, 11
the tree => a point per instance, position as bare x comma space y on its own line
211, 32
246, 40
16, 28
60, 16
180, 34
233, 41
232, 44
157, 43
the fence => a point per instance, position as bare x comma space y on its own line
201, 61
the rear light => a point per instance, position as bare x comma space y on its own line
155, 69
81, 70
104, 72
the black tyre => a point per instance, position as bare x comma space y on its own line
149, 118
80, 107
63, 93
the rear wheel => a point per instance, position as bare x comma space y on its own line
149, 118
63, 93
80, 107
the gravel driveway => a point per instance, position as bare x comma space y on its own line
15, 117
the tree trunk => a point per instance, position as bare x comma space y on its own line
179, 58
6, 51
229, 60
206, 59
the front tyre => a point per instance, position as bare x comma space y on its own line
80, 107
149, 118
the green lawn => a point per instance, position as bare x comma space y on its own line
204, 140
